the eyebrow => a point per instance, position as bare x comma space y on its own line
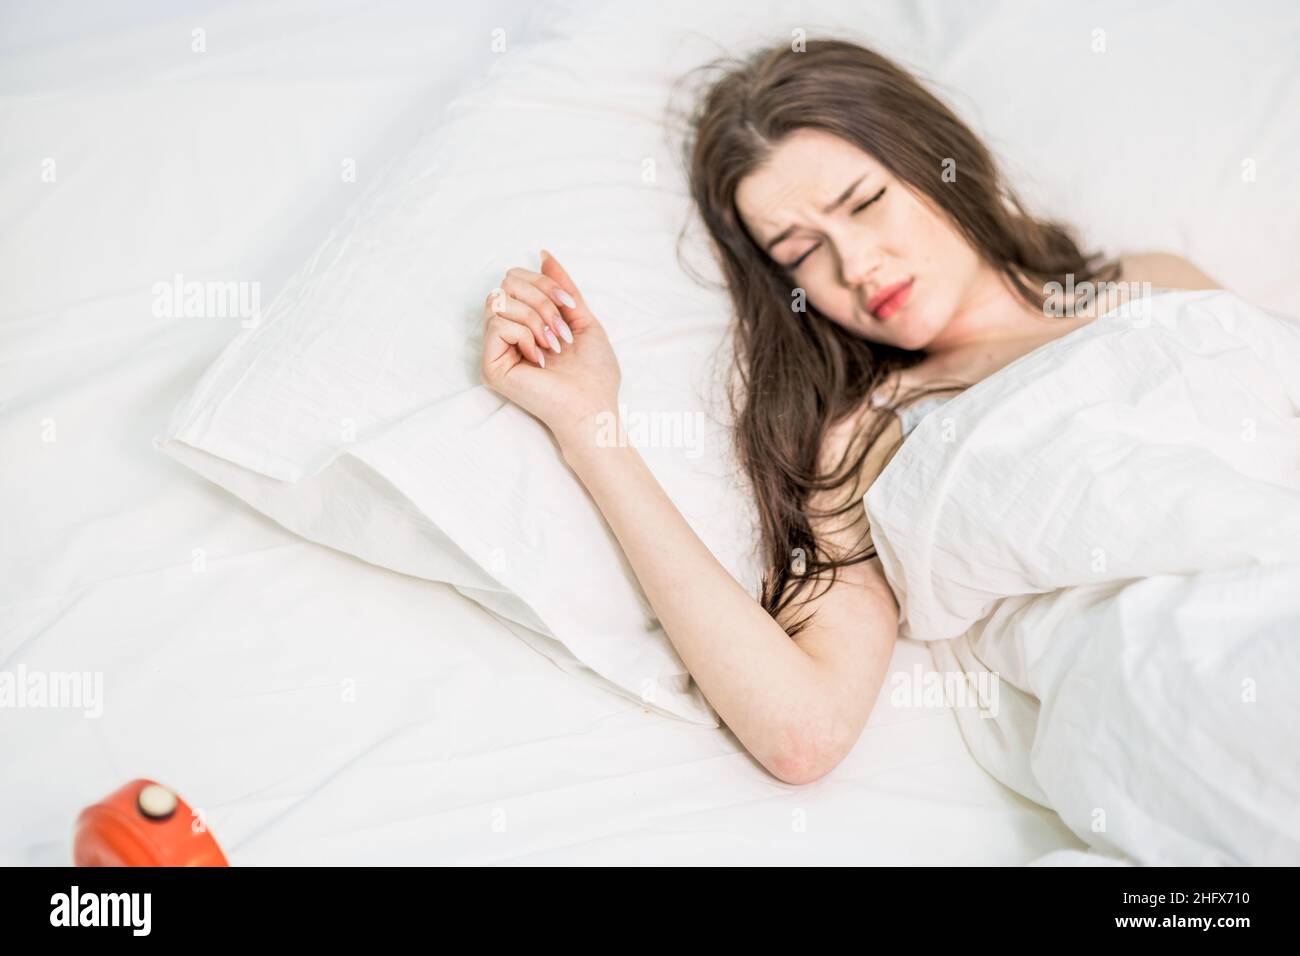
827, 211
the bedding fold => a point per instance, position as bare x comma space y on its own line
1113, 535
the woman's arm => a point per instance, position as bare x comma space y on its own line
797, 705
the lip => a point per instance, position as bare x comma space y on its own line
890, 299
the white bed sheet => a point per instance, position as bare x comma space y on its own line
228, 646
227, 676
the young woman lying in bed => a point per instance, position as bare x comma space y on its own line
874, 257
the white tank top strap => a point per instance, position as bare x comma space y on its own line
909, 416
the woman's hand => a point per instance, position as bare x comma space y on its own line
545, 351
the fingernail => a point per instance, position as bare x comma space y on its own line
565, 298
565, 332
541, 359
545, 254
550, 337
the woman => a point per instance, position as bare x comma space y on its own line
874, 258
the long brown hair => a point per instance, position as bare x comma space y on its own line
810, 374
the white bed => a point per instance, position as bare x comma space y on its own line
459, 743
317, 709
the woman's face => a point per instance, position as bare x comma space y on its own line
871, 254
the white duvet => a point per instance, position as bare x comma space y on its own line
1104, 537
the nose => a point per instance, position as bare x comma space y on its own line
858, 262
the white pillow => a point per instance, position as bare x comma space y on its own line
354, 415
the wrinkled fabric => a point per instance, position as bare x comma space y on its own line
1110, 525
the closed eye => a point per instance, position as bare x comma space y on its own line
856, 209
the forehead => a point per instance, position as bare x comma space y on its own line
805, 172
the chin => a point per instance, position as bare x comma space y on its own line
907, 333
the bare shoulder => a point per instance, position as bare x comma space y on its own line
843, 437
846, 533
1165, 270
839, 524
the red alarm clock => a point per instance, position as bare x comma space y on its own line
143, 824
